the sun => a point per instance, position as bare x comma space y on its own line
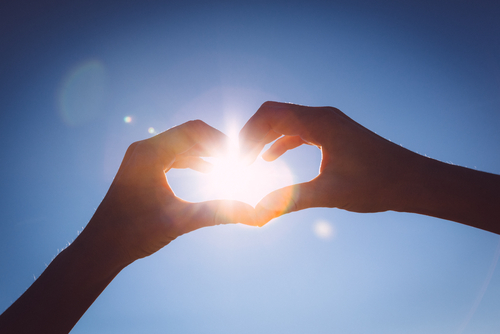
232, 179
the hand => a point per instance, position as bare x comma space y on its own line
359, 170
140, 213
138, 216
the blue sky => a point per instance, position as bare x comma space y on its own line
425, 75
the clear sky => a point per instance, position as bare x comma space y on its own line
424, 74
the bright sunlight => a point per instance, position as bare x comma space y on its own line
231, 179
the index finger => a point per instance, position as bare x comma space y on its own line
272, 120
195, 136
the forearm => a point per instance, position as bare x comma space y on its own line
450, 192
65, 290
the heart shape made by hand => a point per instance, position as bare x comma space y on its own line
231, 178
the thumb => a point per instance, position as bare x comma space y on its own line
197, 215
288, 199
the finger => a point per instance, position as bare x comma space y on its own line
249, 157
126, 158
230, 212
282, 145
216, 212
195, 163
271, 136
288, 199
200, 150
281, 118
193, 135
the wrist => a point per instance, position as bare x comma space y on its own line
100, 247
434, 188
411, 183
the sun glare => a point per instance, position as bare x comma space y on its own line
232, 179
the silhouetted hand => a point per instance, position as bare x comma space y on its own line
140, 213
357, 166
363, 172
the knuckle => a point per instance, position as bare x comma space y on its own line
333, 110
131, 148
196, 123
193, 126
324, 115
268, 105
145, 149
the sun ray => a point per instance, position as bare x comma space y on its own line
232, 179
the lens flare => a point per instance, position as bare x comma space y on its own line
127, 119
323, 230
83, 92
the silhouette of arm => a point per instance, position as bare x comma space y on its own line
138, 216
363, 172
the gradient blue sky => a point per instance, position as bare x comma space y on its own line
424, 74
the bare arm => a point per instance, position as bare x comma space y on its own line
363, 172
450, 192
138, 216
